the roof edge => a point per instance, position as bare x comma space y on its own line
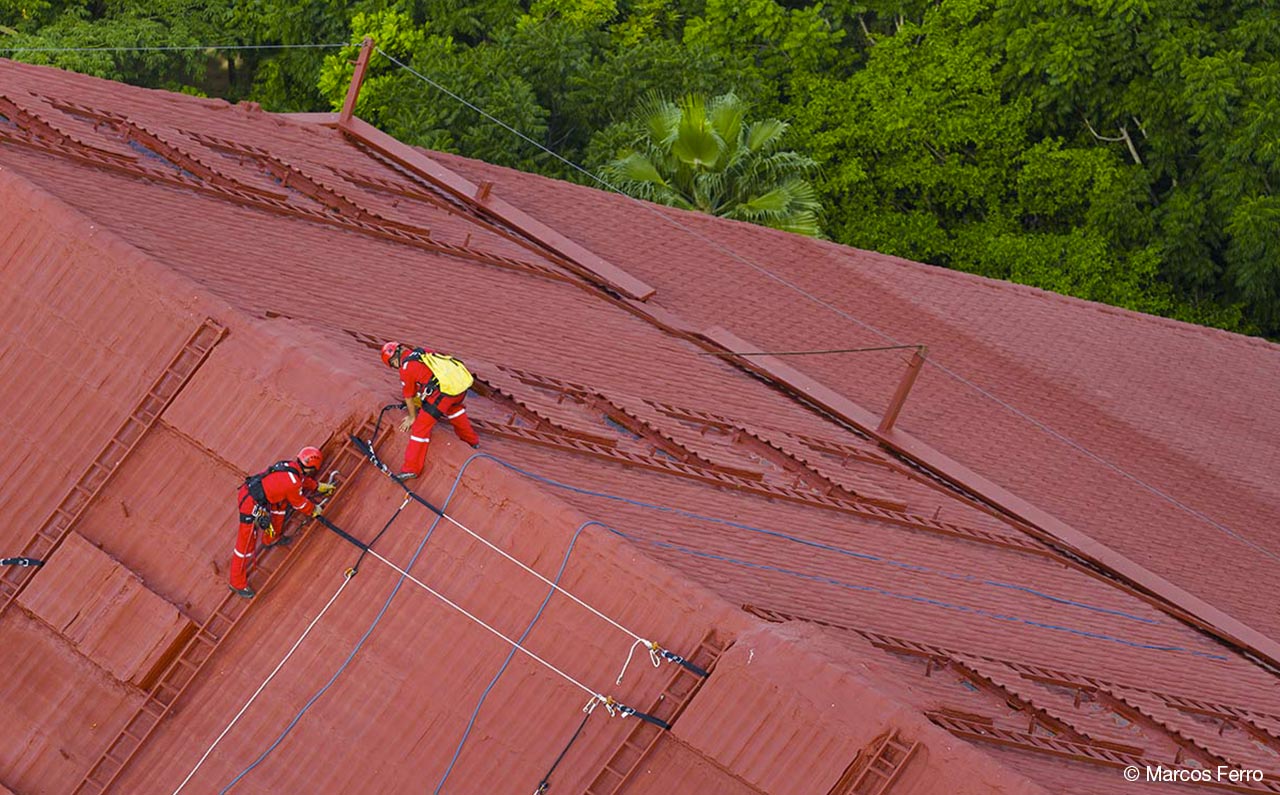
481, 198
1056, 531
323, 119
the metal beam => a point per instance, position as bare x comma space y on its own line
357, 78
904, 389
487, 202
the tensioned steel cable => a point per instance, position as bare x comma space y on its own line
654, 210
564, 564
595, 696
373, 625
179, 48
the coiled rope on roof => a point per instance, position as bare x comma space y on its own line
655, 210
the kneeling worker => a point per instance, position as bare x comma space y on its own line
262, 501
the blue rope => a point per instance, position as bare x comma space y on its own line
399, 582
955, 576
977, 611
564, 563
733, 561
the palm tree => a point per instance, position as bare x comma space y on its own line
703, 155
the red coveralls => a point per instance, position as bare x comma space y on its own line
414, 380
282, 488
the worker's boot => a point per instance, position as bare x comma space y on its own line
247, 592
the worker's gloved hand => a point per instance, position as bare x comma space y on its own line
325, 488
405, 425
316, 511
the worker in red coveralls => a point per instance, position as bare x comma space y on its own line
262, 501
434, 386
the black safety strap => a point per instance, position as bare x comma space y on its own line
678, 660
367, 449
253, 483
433, 407
628, 712
343, 534
21, 562
384, 529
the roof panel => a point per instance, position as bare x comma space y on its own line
1096, 375
105, 612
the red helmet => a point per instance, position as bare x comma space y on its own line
310, 458
388, 351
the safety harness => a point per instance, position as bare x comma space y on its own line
261, 506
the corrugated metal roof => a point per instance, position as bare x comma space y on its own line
919, 612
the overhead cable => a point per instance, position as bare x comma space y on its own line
178, 48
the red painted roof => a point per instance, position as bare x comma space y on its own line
224, 277
1126, 397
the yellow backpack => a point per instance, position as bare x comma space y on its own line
451, 376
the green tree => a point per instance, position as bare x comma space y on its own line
932, 161
78, 35
1188, 93
704, 155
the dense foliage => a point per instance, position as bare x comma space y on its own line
1125, 151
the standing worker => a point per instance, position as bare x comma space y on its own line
262, 501
434, 386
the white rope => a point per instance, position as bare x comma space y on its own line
653, 209
265, 682
511, 642
557, 588
653, 657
